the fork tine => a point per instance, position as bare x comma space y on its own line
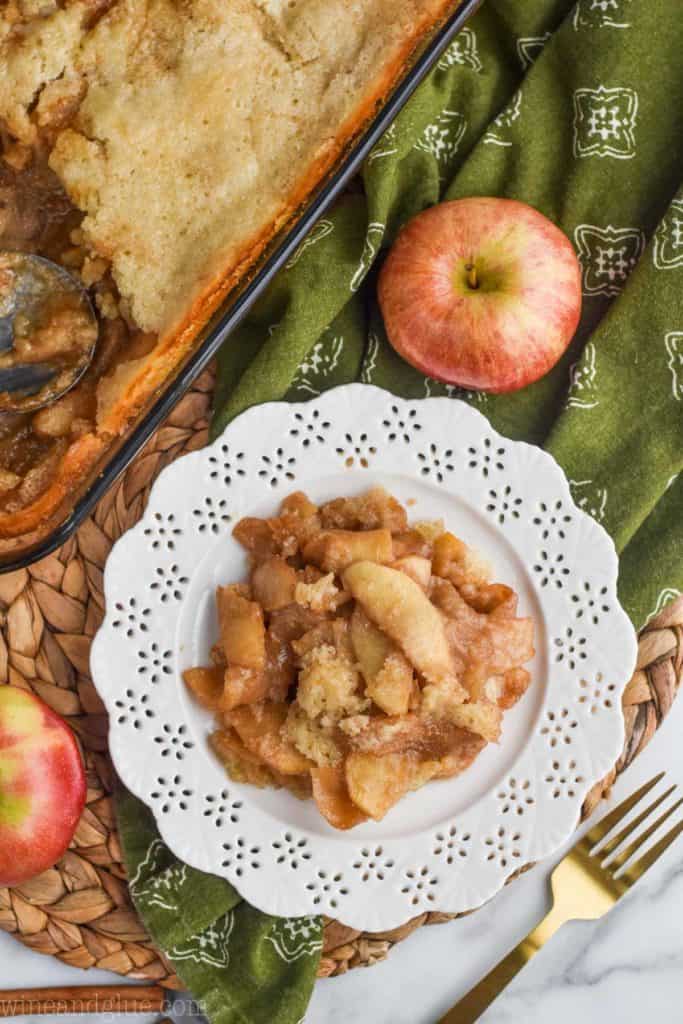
602, 829
633, 872
613, 844
625, 855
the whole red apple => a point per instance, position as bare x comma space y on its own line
42, 786
484, 293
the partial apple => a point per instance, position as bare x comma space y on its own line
482, 292
42, 786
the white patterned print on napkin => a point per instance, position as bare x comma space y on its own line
442, 137
605, 122
320, 362
373, 240
673, 343
583, 392
601, 14
295, 937
321, 230
667, 250
531, 47
498, 133
212, 946
463, 50
607, 256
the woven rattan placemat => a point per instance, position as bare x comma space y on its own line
80, 910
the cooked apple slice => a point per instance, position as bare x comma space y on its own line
370, 645
388, 674
412, 542
466, 747
283, 534
490, 598
419, 569
392, 735
455, 561
331, 794
241, 764
512, 641
463, 627
280, 670
297, 521
259, 726
298, 785
273, 583
217, 655
502, 645
430, 736
256, 537
291, 623
243, 686
448, 599
207, 685
482, 717
399, 606
377, 508
242, 629
334, 550
377, 782
322, 633
515, 684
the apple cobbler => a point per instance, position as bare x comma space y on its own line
364, 657
154, 148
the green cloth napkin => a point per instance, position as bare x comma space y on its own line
578, 110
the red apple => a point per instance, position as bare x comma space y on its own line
42, 786
484, 293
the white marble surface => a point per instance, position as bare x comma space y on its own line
626, 968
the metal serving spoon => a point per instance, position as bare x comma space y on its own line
48, 331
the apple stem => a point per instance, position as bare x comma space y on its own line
472, 279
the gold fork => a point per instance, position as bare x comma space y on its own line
585, 884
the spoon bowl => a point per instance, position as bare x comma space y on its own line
48, 331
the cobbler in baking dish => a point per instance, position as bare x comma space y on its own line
364, 656
154, 147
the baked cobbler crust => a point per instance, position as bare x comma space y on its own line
185, 134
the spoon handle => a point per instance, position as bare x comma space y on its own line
25, 377
6, 333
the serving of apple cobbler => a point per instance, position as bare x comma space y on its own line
364, 657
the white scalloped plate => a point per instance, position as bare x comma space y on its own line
451, 845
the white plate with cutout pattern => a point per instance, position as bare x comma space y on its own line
451, 845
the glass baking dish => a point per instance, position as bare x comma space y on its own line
21, 551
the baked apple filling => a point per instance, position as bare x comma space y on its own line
364, 656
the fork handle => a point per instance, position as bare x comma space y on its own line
478, 999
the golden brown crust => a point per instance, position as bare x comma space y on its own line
177, 342
38, 518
